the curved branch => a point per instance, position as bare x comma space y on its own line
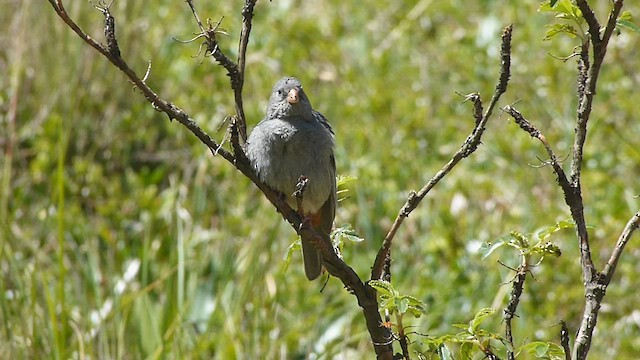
610, 267
469, 146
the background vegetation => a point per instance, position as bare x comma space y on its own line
121, 237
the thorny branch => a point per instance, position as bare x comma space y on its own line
588, 72
235, 70
595, 282
469, 146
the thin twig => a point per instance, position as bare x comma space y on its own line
512, 305
247, 17
469, 146
535, 133
610, 267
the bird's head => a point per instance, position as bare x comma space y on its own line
288, 99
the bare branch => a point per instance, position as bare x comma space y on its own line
592, 21
247, 17
235, 70
610, 267
536, 134
587, 84
469, 146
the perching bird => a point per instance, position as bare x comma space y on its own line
294, 140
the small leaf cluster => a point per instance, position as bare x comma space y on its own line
573, 20
474, 339
471, 339
396, 303
523, 243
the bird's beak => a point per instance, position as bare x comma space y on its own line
293, 97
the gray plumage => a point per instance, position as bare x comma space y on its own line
291, 141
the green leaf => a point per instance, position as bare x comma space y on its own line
341, 181
402, 305
383, 287
444, 353
544, 233
490, 246
345, 233
295, 246
556, 29
465, 350
519, 240
479, 318
544, 350
413, 305
345, 179
629, 25
547, 6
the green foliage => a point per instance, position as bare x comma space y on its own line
574, 21
544, 350
341, 183
471, 341
626, 21
565, 10
343, 234
394, 302
534, 244
476, 342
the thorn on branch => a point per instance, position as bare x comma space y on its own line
477, 105
505, 59
109, 28
146, 75
522, 122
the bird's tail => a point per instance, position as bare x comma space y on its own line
312, 259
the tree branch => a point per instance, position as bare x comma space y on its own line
525, 125
247, 17
588, 70
610, 267
469, 146
367, 299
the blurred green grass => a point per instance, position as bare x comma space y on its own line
123, 238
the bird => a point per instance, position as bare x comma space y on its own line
294, 141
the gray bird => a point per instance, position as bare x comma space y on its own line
294, 140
